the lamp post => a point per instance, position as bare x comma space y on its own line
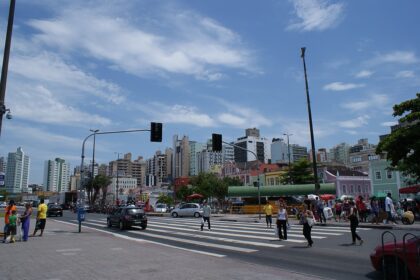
5, 67
117, 184
288, 153
93, 153
317, 186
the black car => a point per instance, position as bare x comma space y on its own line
127, 216
55, 210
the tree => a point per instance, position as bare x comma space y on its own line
402, 146
300, 173
183, 192
165, 199
101, 182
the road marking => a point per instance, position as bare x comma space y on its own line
148, 241
68, 250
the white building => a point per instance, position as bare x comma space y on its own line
124, 184
208, 160
254, 143
17, 172
56, 175
195, 148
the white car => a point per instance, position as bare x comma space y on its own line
161, 208
3, 204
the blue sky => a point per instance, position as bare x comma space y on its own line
203, 67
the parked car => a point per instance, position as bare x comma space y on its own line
127, 216
187, 209
55, 210
3, 204
161, 208
384, 260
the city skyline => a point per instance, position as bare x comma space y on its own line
201, 68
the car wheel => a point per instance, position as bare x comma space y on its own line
121, 225
174, 214
197, 215
108, 223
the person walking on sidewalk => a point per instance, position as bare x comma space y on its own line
7, 212
268, 209
390, 209
320, 210
307, 215
41, 217
282, 220
25, 220
206, 215
374, 206
354, 223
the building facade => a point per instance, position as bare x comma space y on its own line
181, 157
56, 175
17, 172
385, 180
195, 148
252, 141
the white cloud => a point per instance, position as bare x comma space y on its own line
402, 57
339, 86
374, 101
316, 15
354, 123
186, 44
405, 74
388, 124
51, 69
39, 104
241, 116
364, 74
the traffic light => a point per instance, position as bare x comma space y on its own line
216, 140
155, 132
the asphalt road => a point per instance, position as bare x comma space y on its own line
332, 255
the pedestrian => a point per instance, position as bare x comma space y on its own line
405, 205
320, 210
306, 218
11, 230
41, 217
374, 206
282, 221
361, 208
7, 212
354, 223
268, 209
389, 208
338, 210
25, 220
346, 209
206, 215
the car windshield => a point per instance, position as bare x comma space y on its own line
55, 206
134, 210
160, 206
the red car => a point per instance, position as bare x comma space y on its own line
411, 258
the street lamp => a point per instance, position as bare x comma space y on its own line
117, 185
288, 153
5, 66
93, 154
317, 186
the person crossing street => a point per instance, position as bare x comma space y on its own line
268, 209
206, 215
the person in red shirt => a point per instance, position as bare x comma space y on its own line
7, 212
361, 208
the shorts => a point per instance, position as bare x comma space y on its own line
11, 230
40, 224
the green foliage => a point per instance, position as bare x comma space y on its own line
183, 192
165, 199
403, 144
300, 173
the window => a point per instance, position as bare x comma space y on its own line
351, 189
389, 174
344, 189
373, 157
378, 175
359, 188
277, 181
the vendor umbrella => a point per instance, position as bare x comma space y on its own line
327, 196
195, 196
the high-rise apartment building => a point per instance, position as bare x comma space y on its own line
195, 148
181, 157
361, 154
254, 143
128, 168
208, 160
156, 170
17, 172
56, 175
339, 154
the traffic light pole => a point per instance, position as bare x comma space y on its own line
156, 129
258, 178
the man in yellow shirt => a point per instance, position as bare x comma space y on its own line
268, 209
41, 217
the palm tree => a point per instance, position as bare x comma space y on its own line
101, 182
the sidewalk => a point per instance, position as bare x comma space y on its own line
63, 253
254, 218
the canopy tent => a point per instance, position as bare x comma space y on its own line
327, 196
410, 189
195, 196
282, 190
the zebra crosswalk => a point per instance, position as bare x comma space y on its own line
224, 236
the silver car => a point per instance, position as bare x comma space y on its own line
187, 209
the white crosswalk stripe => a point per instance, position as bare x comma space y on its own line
225, 235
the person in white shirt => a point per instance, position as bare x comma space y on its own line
389, 208
282, 220
206, 215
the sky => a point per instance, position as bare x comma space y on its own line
202, 67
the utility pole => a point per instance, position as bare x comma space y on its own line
5, 67
93, 154
288, 154
117, 186
317, 186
